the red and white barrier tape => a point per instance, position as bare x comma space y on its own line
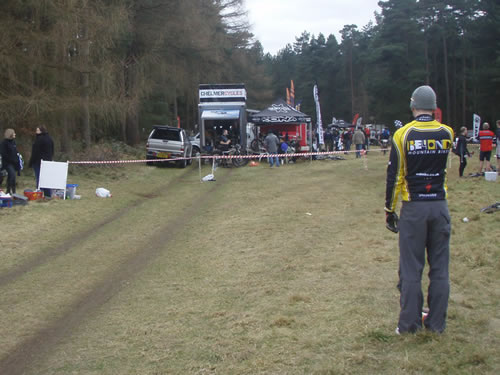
251, 156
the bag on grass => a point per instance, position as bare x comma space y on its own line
102, 193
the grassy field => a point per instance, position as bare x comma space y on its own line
264, 271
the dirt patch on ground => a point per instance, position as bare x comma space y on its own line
24, 356
45, 256
147, 195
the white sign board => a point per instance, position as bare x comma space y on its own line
53, 175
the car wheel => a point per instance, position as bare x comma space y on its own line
190, 161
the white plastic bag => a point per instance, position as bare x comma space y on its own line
102, 193
208, 177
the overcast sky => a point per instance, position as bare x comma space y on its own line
277, 22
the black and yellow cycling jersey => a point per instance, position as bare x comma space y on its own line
417, 165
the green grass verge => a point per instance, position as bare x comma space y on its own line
273, 271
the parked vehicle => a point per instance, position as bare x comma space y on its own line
166, 142
195, 142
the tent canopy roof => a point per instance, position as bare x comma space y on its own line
279, 113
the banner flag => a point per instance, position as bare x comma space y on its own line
318, 116
287, 96
292, 94
355, 119
477, 125
359, 121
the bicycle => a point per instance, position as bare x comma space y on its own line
233, 160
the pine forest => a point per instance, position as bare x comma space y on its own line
109, 69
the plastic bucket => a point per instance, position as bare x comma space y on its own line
71, 191
33, 195
490, 176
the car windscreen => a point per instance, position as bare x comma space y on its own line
166, 134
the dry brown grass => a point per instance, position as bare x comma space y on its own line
280, 271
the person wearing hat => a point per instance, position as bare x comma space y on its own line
417, 173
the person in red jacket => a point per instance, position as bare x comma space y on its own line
486, 145
498, 146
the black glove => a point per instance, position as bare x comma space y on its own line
391, 221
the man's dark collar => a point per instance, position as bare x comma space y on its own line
424, 118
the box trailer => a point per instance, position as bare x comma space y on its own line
222, 107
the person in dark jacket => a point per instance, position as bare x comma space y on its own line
43, 149
272, 142
10, 159
462, 150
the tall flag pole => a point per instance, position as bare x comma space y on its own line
318, 116
292, 93
288, 96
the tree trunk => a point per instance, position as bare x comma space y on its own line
474, 84
352, 82
464, 88
123, 124
176, 108
427, 73
85, 76
65, 139
446, 79
132, 124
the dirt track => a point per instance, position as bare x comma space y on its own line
25, 356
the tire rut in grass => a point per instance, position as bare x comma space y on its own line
27, 352
46, 255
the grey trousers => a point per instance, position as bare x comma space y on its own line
424, 228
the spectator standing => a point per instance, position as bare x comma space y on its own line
359, 140
272, 142
462, 151
335, 140
328, 139
385, 134
10, 159
417, 173
42, 149
347, 140
498, 146
367, 138
486, 145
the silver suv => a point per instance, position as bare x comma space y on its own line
195, 141
166, 142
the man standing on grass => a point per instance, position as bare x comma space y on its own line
417, 172
498, 146
272, 142
359, 140
486, 145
